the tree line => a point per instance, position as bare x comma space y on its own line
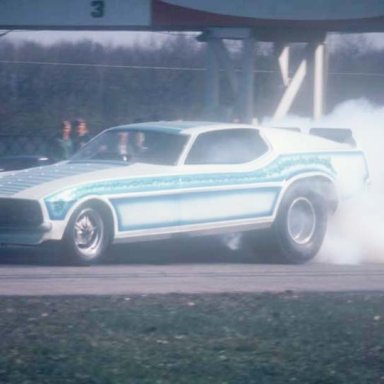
109, 85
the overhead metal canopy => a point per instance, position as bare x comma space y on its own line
263, 15
323, 15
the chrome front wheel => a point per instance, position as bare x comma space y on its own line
87, 236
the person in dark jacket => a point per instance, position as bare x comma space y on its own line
81, 132
61, 145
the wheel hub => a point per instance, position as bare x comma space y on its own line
88, 233
301, 220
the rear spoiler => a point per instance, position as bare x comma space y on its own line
293, 129
340, 135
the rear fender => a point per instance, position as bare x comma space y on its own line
322, 186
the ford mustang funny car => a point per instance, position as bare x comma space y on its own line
154, 180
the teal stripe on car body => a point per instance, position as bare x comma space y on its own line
281, 168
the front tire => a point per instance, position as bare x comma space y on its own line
87, 236
300, 226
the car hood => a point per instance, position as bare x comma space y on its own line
37, 183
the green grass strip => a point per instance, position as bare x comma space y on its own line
224, 338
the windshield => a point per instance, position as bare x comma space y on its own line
133, 145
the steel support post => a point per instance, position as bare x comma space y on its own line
212, 80
246, 96
319, 80
314, 60
291, 90
228, 68
219, 64
284, 63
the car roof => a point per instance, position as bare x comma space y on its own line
181, 127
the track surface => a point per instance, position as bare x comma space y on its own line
197, 278
193, 267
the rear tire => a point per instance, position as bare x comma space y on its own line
87, 236
298, 231
300, 226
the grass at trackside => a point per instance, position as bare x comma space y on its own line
224, 338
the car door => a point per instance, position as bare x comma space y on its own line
220, 186
152, 204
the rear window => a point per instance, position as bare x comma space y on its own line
232, 146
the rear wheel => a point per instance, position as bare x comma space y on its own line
300, 226
87, 236
301, 220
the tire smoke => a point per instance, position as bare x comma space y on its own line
355, 232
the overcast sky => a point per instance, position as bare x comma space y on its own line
103, 37
372, 41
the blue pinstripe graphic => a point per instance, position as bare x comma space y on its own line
283, 167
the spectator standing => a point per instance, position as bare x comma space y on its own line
61, 145
82, 135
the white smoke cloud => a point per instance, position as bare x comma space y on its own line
355, 232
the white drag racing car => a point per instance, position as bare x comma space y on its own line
155, 180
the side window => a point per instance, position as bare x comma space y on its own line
230, 146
